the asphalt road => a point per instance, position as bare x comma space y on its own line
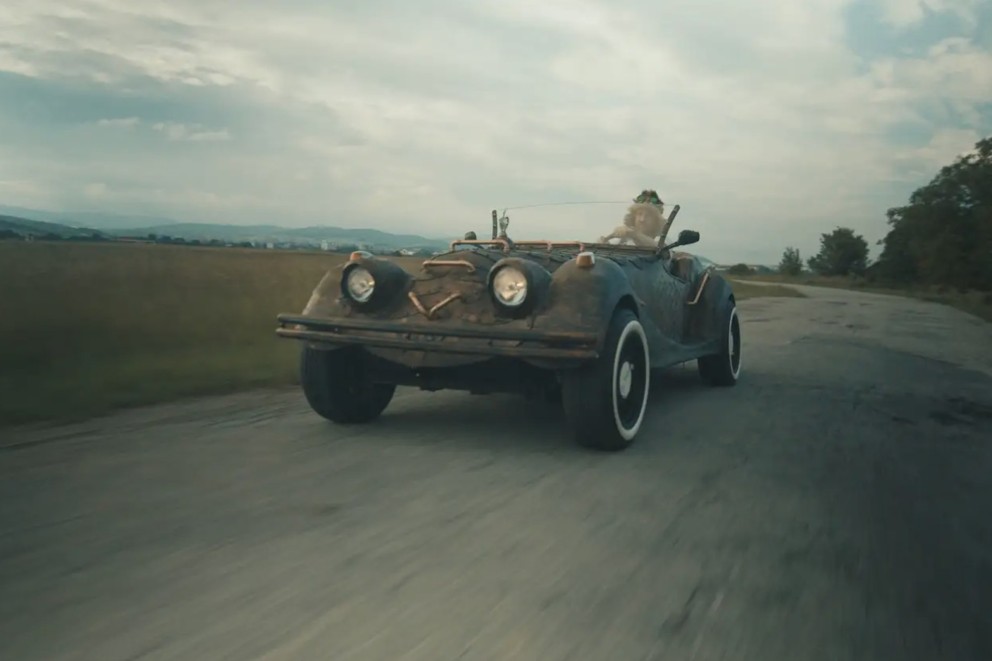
835, 505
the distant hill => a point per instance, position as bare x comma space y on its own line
259, 235
68, 224
272, 233
36, 228
96, 220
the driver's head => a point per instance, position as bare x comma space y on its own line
646, 218
649, 196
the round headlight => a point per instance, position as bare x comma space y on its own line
360, 284
510, 286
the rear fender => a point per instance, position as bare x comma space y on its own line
705, 317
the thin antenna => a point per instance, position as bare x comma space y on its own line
559, 204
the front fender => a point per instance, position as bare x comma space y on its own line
325, 298
585, 298
328, 297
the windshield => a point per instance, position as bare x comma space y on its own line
632, 223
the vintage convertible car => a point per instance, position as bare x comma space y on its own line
583, 322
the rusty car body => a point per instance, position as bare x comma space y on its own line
583, 323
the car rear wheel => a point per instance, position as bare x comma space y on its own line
337, 386
724, 368
605, 402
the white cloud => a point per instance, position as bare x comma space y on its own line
96, 190
175, 131
954, 70
190, 133
944, 147
907, 13
751, 115
11, 63
25, 192
120, 122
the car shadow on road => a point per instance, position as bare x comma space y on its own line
512, 421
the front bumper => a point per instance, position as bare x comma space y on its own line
480, 341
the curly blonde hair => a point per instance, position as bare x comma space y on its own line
645, 218
644, 225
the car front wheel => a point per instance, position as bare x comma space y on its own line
337, 386
605, 402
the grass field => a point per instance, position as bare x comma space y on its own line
974, 302
89, 327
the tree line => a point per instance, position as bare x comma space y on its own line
942, 236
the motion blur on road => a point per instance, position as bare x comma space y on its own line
834, 505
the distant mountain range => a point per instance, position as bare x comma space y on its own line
38, 228
274, 234
37, 223
96, 220
70, 224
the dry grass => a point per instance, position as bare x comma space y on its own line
85, 328
973, 302
89, 327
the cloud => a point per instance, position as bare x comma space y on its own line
953, 70
176, 131
120, 122
902, 14
943, 148
95, 190
190, 133
759, 116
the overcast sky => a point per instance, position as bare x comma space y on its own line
768, 121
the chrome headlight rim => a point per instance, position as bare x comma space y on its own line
387, 280
356, 269
521, 275
349, 284
538, 281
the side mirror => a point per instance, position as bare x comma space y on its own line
686, 237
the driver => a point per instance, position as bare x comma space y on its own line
644, 224
649, 196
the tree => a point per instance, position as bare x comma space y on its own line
740, 269
842, 252
943, 236
792, 263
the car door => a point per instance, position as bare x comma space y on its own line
665, 296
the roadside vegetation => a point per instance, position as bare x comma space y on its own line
86, 328
938, 248
974, 302
89, 327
